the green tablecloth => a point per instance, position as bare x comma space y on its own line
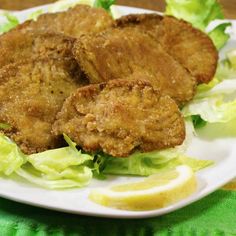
215, 215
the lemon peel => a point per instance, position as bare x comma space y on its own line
155, 191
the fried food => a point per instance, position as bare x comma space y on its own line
121, 116
52, 34
144, 22
81, 19
189, 46
119, 53
18, 45
31, 94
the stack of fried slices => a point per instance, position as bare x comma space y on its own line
111, 85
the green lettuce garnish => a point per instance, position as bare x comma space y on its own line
58, 168
216, 102
11, 158
11, 22
68, 167
231, 60
145, 164
212, 110
200, 13
218, 35
198, 122
35, 15
105, 4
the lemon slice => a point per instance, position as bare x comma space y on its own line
155, 191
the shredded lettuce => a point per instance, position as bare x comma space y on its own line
198, 122
216, 102
145, 164
68, 167
231, 59
105, 4
227, 68
212, 110
11, 158
11, 22
35, 15
58, 168
218, 35
59, 163
200, 13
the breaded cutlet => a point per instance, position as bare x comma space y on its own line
189, 46
31, 94
76, 21
52, 34
18, 45
119, 117
119, 53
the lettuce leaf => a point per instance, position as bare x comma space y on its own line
11, 158
11, 22
145, 164
58, 168
231, 59
216, 102
218, 35
79, 176
212, 110
200, 13
198, 122
68, 167
105, 4
227, 68
59, 163
35, 15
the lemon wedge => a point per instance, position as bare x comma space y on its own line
155, 191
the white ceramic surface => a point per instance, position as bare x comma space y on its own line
221, 149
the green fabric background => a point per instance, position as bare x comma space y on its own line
215, 215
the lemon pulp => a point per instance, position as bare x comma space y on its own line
153, 192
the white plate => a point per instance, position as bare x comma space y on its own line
222, 150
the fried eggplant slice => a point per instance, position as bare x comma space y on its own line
81, 19
188, 45
31, 94
119, 117
121, 53
18, 45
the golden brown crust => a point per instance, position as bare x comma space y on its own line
18, 45
31, 94
143, 21
188, 45
76, 21
120, 53
121, 116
